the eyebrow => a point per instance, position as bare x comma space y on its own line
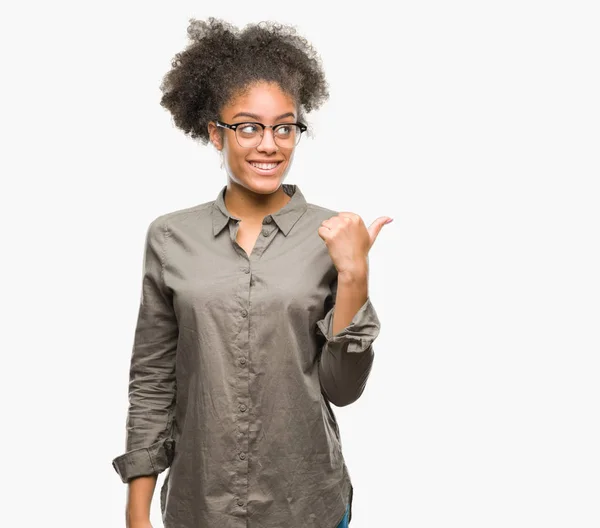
254, 116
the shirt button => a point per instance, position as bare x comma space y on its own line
242, 361
243, 456
240, 502
243, 407
265, 233
244, 313
268, 220
246, 270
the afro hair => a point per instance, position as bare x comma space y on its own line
222, 61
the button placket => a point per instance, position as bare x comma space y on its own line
243, 345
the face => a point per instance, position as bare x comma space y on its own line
251, 167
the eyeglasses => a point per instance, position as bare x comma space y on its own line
249, 135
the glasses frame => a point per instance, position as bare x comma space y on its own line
234, 127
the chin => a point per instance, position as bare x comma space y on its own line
265, 184
266, 187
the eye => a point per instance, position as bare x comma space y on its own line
284, 130
247, 129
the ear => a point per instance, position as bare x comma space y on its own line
215, 135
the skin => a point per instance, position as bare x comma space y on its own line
251, 196
348, 241
139, 498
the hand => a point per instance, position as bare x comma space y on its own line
348, 240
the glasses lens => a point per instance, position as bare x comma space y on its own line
287, 136
248, 134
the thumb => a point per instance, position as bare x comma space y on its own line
377, 225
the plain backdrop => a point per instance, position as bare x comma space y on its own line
475, 125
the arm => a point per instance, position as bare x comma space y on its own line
139, 499
149, 444
349, 327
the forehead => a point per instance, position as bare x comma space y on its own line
265, 100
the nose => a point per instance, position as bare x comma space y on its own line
267, 143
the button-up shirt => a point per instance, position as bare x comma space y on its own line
235, 368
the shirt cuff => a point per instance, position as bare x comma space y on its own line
145, 460
359, 334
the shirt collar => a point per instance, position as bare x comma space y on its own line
285, 218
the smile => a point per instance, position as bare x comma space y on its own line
265, 168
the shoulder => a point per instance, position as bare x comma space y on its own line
320, 212
170, 219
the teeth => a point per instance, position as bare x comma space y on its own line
265, 166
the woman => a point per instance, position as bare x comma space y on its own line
238, 351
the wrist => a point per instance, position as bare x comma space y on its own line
357, 273
135, 517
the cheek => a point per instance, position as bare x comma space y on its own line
238, 159
235, 162
234, 156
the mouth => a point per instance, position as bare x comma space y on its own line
265, 168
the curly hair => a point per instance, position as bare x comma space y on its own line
222, 62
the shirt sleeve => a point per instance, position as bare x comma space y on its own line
149, 443
346, 359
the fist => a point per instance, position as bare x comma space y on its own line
349, 240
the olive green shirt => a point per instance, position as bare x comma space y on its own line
234, 369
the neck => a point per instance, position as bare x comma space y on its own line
252, 206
